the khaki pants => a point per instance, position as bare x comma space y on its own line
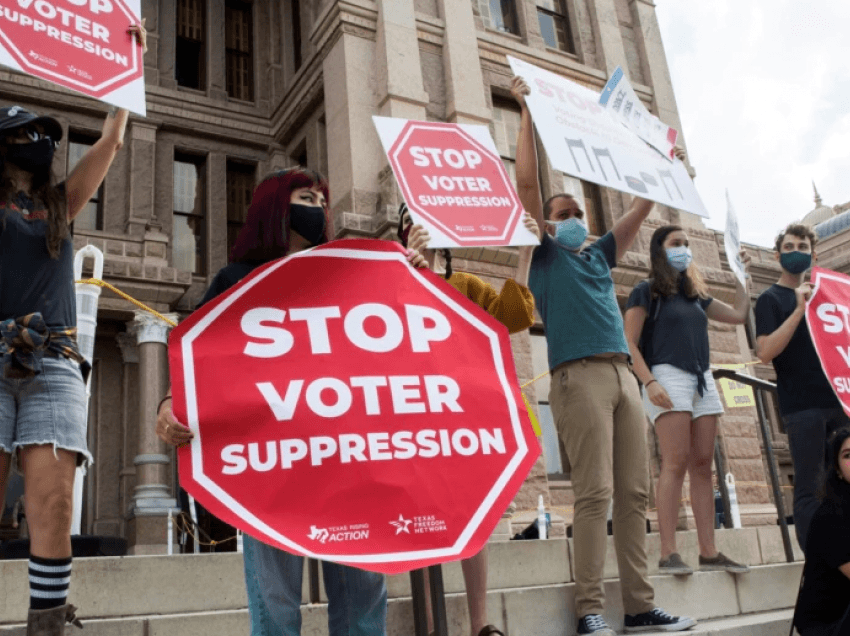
599, 415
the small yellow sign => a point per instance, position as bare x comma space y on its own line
736, 394
534, 423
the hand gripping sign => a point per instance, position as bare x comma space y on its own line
351, 408
79, 44
828, 318
454, 183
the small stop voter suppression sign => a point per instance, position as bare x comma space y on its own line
454, 183
349, 407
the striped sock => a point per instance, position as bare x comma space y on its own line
49, 582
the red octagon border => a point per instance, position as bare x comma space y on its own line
398, 146
207, 482
49, 74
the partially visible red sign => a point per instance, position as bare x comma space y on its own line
454, 183
79, 44
349, 407
828, 318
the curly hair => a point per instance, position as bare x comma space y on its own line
265, 235
665, 278
800, 231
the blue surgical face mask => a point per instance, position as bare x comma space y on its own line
570, 233
795, 262
680, 257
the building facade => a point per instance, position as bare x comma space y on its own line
237, 89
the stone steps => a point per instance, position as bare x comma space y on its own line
531, 590
543, 611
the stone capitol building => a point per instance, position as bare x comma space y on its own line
237, 89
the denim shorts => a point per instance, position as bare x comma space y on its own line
681, 386
48, 408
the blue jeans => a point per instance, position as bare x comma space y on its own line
357, 600
807, 434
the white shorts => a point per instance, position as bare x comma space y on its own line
681, 386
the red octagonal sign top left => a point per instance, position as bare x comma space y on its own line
80, 44
348, 407
456, 183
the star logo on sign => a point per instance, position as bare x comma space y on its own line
402, 525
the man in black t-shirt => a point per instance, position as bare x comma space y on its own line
809, 406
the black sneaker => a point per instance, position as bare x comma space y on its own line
595, 624
657, 620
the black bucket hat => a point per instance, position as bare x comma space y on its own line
13, 117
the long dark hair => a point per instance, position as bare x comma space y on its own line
665, 277
265, 235
833, 488
447, 253
43, 191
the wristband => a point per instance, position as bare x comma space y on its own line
161, 402
650, 382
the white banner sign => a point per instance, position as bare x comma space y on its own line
583, 139
620, 99
732, 242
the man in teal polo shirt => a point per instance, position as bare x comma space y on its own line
594, 395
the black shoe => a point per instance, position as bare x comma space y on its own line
657, 620
594, 624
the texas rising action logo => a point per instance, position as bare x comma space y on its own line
356, 532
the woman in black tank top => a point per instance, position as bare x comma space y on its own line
42, 390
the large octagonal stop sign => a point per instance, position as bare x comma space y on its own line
454, 182
79, 44
349, 407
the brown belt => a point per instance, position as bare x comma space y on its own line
600, 357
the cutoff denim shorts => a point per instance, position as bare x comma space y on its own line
681, 386
48, 408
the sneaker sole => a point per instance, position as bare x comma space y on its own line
676, 571
683, 624
600, 632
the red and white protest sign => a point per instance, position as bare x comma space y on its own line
351, 408
79, 44
454, 183
828, 318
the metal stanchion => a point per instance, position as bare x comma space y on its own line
759, 386
313, 576
419, 590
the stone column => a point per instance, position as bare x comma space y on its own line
166, 28
141, 178
466, 101
129, 418
609, 38
349, 77
216, 52
152, 498
399, 69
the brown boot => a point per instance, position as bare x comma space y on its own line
51, 622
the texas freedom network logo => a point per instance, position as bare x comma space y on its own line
356, 532
421, 525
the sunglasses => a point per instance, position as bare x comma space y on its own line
33, 134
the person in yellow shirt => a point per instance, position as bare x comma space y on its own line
513, 306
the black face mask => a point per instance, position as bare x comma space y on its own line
31, 157
308, 221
